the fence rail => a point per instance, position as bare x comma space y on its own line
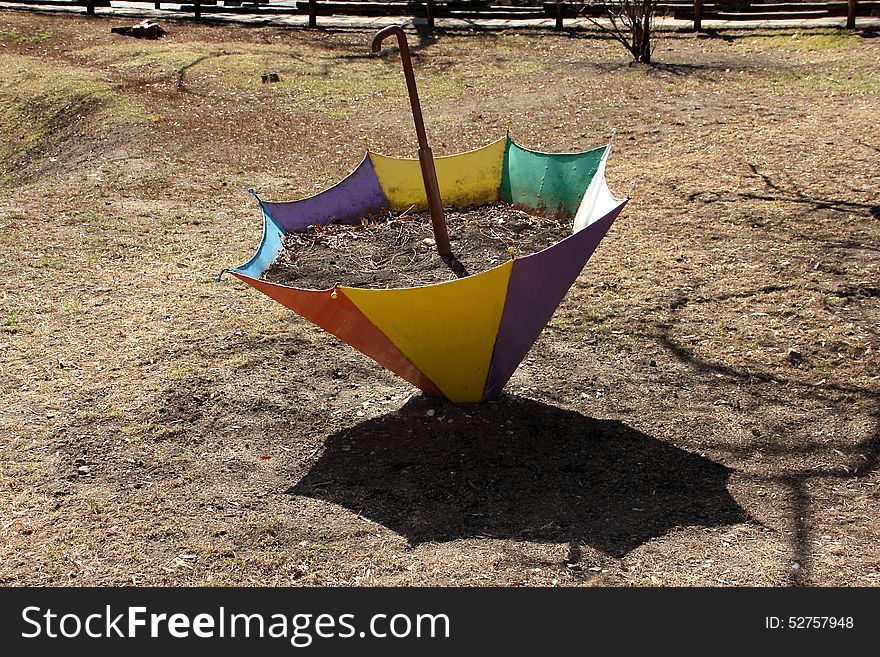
694, 11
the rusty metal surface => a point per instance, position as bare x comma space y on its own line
426, 157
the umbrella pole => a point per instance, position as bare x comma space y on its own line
426, 157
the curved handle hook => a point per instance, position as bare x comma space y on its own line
406, 60
386, 32
426, 157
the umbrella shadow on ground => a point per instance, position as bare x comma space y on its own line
517, 469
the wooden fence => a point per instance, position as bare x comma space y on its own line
695, 11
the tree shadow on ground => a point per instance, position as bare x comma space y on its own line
795, 195
517, 469
662, 70
860, 458
789, 192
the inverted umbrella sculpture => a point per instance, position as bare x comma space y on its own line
464, 338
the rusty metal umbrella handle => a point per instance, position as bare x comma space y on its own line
426, 157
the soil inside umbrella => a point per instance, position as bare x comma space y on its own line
399, 251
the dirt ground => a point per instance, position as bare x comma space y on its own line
702, 410
399, 249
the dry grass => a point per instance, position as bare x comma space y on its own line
141, 398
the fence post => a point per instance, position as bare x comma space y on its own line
313, 13
430, 12
197, 8
90, 7
698, 15
851, 8
157, 5
558, 15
